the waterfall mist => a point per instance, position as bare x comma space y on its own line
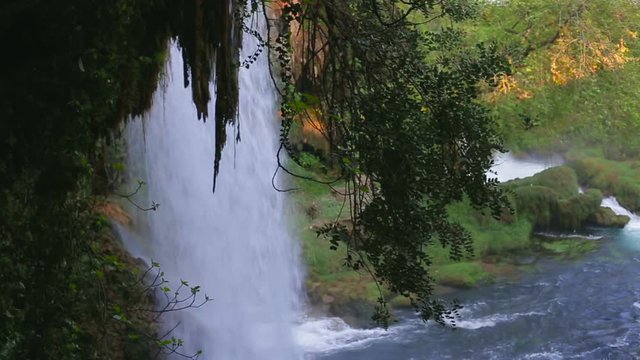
234, 243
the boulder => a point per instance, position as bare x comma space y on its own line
607, 218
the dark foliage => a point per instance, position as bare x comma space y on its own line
404, 126
74, 70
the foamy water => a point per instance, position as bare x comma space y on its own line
508, 167
331, 334
492, 320
612, 203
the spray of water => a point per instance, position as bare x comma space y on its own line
508, 167
612, 203
235, 243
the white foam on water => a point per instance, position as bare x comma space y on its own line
331, 334
544, 356
492, 320
569, 236
613, 204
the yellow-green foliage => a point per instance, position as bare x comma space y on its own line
574, 211
619, 178
562, 179
569, 248
601, 112
460, 274
595, 47
606, 217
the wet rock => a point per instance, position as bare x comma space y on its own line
115, 212
607, 218
327, 299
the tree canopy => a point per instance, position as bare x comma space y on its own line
398, 103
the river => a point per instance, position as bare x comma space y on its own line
584, 309
587, 308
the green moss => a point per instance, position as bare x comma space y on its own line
570, 248
619, 178
536, 204
562, 179
490, 236
606, 217
550, 199
573, 212
461, 274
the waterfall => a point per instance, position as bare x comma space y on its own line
508, 167
612, 203
234, 243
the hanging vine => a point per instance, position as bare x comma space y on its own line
387, 85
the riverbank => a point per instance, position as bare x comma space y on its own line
504, 249
585, 308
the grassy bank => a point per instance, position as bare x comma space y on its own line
498, 244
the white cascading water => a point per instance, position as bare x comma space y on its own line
612, 203
508, 167
234, 243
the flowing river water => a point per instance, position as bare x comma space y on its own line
583, 309
587, 308
237, 245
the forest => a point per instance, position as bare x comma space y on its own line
319, 179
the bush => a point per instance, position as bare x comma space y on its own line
572, 213
617, 178
550, 199
537, 204
606, 217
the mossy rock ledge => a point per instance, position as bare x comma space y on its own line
550, 200
605, 217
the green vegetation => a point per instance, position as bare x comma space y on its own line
568, 248
331, 285
572, 90
78, 69
607, 218
397, 105
490, 236
595, 114
407, 112
619, 178
549, 200
576, 75
562, 179
460, 274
